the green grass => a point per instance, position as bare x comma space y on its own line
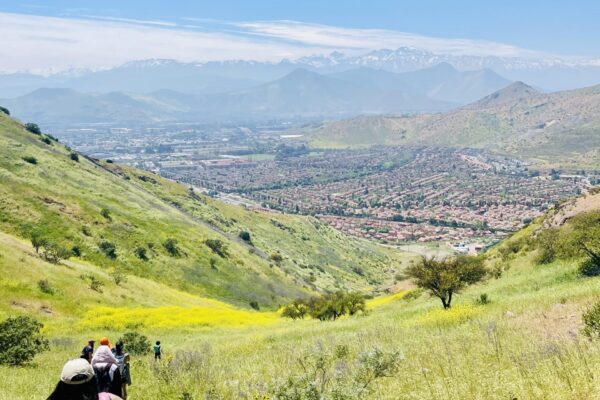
525, 344
63, 200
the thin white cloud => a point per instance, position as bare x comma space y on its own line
50, 44
331, 36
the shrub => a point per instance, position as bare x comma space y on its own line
483, 299
45, 286
589, 267
277, 257
591, 321
76, 251
297, 310
213, 263
217, 246
140, 252
54, 253
21, 340
254, 305
245, 236
30, 159
74, 156
118, 277
33, 128
171, 246
328, 375
105, 212
46, 140
327, 307
4, 110
109, 249
37, 241
95, 284
135, 343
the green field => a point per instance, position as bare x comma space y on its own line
525, 343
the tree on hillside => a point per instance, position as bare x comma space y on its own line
21, 340
217, 246
33, 128
4, 110
444, 278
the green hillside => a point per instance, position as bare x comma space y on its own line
122, 220
560, 127
525, 342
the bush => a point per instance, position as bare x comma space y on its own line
76, 251
483, 299
589, 268
327, 307
217, 246
118, 277
74, 156
277, 257
45, 286
33, 128
46, 140
330, 375
109, 249
105, 212
245, 236
297, 310
95, 284
135, 343
171, 246
21, 340
30, 159
591, 321
140, 253
4, 110
54, 253
254, 305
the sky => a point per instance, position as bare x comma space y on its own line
56, 35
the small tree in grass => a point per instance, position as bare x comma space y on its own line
21, 340
217, 246
135, 343
171, 246
445, 278
33, 128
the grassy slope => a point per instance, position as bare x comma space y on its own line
525, 344
62, 199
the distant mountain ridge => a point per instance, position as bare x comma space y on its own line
556, 127
300, 93
549, 73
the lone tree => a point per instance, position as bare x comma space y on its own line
33, 128
444, 278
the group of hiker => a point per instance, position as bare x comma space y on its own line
100, 374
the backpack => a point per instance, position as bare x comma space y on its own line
103, 378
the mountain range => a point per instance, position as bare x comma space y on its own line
299, 93
146, 76
517, 119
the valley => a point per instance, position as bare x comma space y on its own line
299, 200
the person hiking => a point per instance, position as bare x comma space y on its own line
88, 350
157, 350
78, 382
123, 364
106, 369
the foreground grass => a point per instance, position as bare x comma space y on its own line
525, 344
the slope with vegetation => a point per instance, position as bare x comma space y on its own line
516, 120
524, 333
130, 222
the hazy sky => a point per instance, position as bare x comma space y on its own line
54, 35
